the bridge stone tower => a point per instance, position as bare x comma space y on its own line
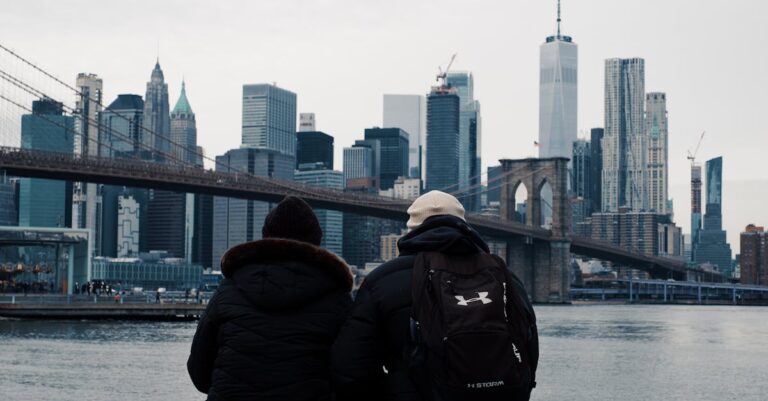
544, 266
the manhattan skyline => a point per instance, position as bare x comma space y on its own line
340, 57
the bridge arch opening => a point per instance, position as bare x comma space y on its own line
520, 202
545, 198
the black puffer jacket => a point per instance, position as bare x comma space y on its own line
376, 333
268, 330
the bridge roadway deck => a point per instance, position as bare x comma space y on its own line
139, 173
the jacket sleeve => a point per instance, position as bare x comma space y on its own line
204, 348
356, 364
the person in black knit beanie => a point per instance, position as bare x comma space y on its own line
268, 330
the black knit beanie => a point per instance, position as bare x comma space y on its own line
293, 218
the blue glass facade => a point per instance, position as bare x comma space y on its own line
442, 141
46, 203
313, 147
712, 246
393, 162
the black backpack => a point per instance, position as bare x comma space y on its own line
473, 330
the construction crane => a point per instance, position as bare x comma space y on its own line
443, 74
692, 156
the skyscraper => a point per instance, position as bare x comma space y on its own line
121, 135
184, 130
469, 138
393, 161
175, 138
695, 207
407, 112
581, 162
157, 114
43, 202
313, 148
269, 118
624, 152
331, 221
239, 220
657, 139
596, 170
712, 246
86, 202
361, 164
443, 139
558, 89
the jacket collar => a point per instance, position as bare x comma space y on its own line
281, 249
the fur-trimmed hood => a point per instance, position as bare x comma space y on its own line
278, 272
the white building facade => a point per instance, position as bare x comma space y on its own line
558, 94
624, 148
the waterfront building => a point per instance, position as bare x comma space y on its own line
156, 119
558, 94
443, 139
239, 220
314, 147
753, 259
624, 149
47, 256
331, 221
712, 246
408, 112
596, 170
184, 130
149, 271
269, 118
656, 134
393, 159
306, 122
86, 202
43, 202
469, 138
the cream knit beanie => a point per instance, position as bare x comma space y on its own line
433, 203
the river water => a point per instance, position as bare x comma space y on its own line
595, 352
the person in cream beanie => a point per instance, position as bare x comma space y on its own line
433, 203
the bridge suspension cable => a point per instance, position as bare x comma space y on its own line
78, 93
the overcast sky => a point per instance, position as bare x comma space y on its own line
340, 56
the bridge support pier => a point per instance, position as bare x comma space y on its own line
543, 267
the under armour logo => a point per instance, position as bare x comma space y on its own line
481, 296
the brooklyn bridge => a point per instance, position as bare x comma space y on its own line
540, 256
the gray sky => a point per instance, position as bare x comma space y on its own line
340, 56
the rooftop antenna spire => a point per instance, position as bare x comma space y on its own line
558, 18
